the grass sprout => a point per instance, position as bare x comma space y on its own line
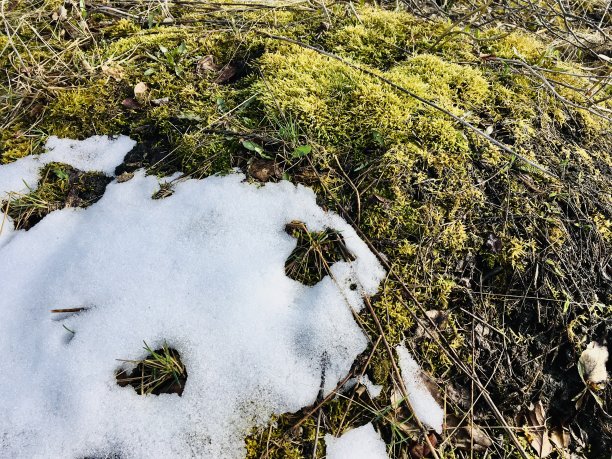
161, 371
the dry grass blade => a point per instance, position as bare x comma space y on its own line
162, 371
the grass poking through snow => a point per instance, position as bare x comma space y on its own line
314, 254
161, 371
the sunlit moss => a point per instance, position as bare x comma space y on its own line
430, 191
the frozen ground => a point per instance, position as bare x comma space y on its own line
202, 270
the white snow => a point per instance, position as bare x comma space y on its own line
97, 153
202, 270
425, 406
360, 443
6, 229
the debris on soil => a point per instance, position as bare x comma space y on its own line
537, 432
264, 170
503, 225
467, 436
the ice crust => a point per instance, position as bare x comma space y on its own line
202, 270
360, 443
97, 153
425, 406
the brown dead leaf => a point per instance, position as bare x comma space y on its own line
227, 73
440, 318
131, 103
125, 177
422, 449
560, 437
140, 91
206, 64
307, 175
264, 170
536, 431
113, 70
36, 110
469, 437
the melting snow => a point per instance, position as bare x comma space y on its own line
97, 153
424, 405
202, 270
374, 390
360, 443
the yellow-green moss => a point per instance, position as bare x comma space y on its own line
382, 38
85, 111
431, 193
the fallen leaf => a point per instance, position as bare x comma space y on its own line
206, 64
536, 431
440, 318
226, 74
307, 175
422, 449
560, 437
264, 170
140, 91
125, 177
131, 103
470, 437
592, 366
113, 70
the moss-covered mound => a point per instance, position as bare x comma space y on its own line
499, 259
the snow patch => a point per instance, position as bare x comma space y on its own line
360, 443
97, 153
202, 270
6, 229
424, 405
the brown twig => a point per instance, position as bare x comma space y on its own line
67, 310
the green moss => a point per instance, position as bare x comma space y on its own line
16, 142
514, 45
382, 38
84, 111
431, 193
